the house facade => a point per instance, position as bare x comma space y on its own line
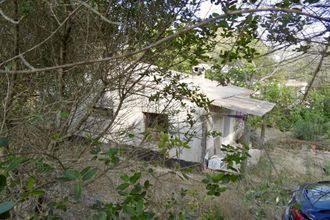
137, 121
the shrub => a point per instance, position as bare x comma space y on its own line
305, 130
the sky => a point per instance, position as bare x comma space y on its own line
206, 9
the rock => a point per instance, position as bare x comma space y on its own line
216, 163
254, 158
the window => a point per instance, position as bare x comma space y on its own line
99, 119
216, 109
103, 112
156, 122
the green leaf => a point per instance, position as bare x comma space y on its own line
130, 135
95, 150
123, 186
137, 189
3, 182
65, 114
61, 205
135, 177
89, 174
146, 184
10, 66
37, 193
139, 206
218, 177
57, 136
4, 142
30, 183
122, 193
125, 178
101, 216
215, 14
14, 164
71, 175
77, 190
6, 206
129, 210
85, 170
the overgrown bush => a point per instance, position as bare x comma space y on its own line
327, 129
305, 130
307, 119
312, 118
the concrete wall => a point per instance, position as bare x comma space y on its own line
129, 127
228, 126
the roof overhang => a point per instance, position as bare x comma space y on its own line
245, 104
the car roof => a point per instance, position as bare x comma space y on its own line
318, 194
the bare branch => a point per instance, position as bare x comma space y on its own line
45, 40
53, 13
5, 104
155, 44
8, 18
26, 62
99, 14
317, 70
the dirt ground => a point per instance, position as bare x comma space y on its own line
265, 190
262, 194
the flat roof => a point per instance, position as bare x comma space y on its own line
231, 97
245, 104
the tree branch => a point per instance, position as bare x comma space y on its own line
155, 44
43, 41
26, 63
8, 18
318, 68
99, 14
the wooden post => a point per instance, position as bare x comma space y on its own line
204, 139
263, 130
245, 140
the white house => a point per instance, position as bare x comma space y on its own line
129, 122
299, 86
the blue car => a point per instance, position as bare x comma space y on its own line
310, 201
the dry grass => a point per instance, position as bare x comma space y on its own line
232, 206
261, 194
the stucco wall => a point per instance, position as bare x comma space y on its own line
129, 127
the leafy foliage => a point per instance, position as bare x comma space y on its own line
312, 119
61, 78
5, 207
166, 144
285, 99
134, 200
4, 142
215, 184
